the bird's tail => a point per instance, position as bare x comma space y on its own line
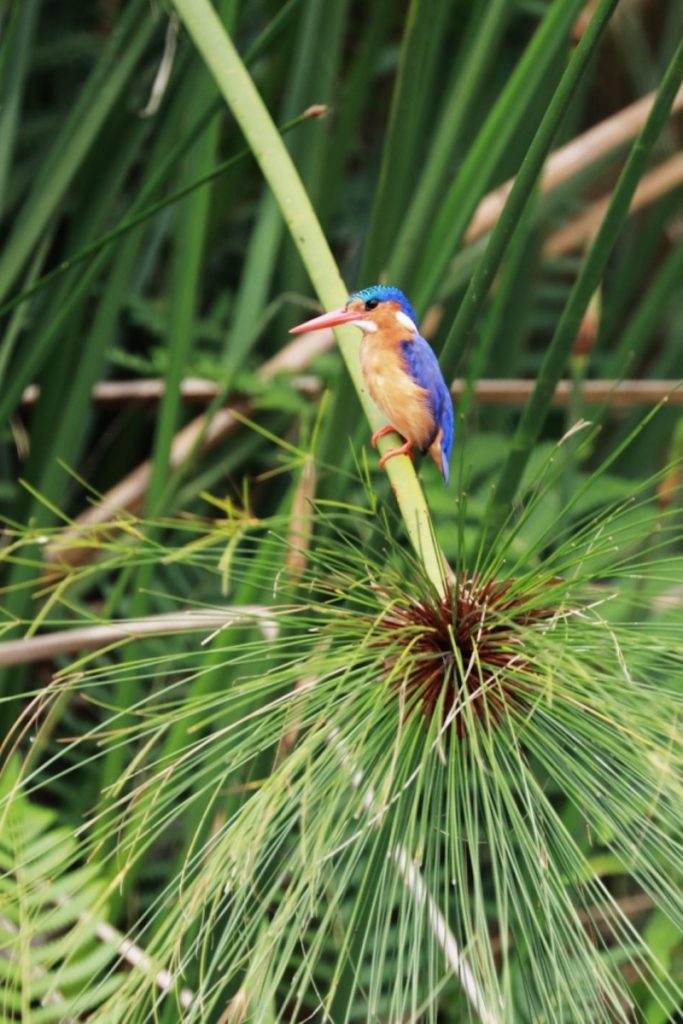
445, 468
439, 451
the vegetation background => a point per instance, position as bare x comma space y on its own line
263, 758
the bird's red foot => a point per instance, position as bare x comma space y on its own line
382, 432
405, 449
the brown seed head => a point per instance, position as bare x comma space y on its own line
464, 654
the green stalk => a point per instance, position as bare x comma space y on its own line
33, 358
17, 322
640, 247
327, 30
496, 322
261, 133
57, 433
18, 41
350, 104
505, 121
264, 251
80, 356
525, 181
639, 330
453, 120
189, 249
589, 277
77, 136
410, 110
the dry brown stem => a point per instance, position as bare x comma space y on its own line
84, 638
494, 391
619, 394
572, 158
662, 179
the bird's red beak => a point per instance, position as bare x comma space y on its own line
333, 319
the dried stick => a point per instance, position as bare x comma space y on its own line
82, 638
456, 959
662, 179
417, 887
138, 958
621, 394
193, 390
571, 159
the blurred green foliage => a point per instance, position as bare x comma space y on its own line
432, 104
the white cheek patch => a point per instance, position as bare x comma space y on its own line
405, 321
366, 325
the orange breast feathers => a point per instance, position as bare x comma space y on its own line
405, 404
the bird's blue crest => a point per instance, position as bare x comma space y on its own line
385, 293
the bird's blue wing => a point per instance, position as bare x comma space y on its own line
423, 367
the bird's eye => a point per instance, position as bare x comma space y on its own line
372, 303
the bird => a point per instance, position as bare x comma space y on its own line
401, 372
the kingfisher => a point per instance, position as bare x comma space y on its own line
401, 371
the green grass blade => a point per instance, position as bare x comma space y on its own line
350, 105
74, 141
479, 54
496, 322
401, 152
526, 179
134, 220
639, 331
18, 38
264, 252
541, 60
326, 30
189, 251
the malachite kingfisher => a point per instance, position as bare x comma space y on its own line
401, 371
